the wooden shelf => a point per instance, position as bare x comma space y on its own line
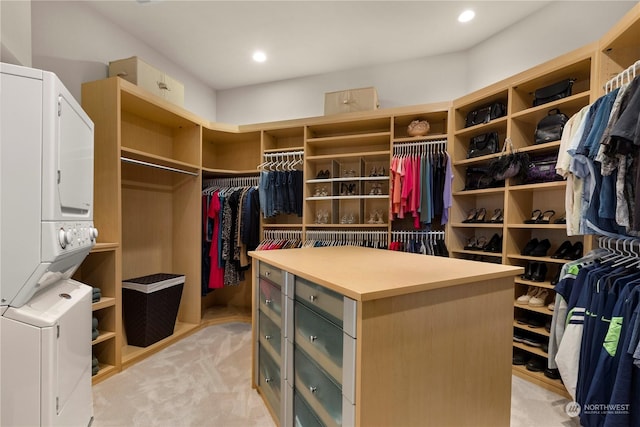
383, 154
103, 336
477, 224
538, 226
482, 192
546, 284
541, 310
385, 225
103, 303
428, 137
555, 185
538, 259
533, 350
539, 330
357, 178
105, 372
153, 159
230, 172
104, 247
283, 149
382, 196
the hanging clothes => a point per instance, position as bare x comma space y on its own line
230, 231
281, 185
425, 243
595, 336
599, 156
420, 180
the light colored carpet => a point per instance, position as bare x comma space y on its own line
204, 380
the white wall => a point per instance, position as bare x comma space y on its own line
556, 29
15, 32
76, 43
404, 83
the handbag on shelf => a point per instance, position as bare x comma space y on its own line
485, 114
550, 93
550, 127
481, 145
511, 163
542, 168
477, 178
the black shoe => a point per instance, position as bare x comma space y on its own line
556, 278
535, 322
575, 252
519, 357
541, 249
554, 374
531, 342
547, 326
528, 271
531, 244
536, 364
563, 250
494, 245
539, 272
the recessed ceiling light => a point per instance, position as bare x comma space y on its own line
259, 56
466, 16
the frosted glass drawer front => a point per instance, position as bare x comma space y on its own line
270, 335
269, 380
321, 339
270, 300
320, 299
317, 388
271, 273
303, 415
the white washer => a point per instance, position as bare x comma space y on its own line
46, 230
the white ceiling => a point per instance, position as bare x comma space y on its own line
214, 40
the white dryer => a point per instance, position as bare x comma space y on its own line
46, 230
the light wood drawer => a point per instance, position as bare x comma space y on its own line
271, 273
269, 379
270, 300
320, 339
317, 388
320, 299
270, 336
303, 415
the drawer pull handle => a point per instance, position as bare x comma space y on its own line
267, 301
267, 380
267, 273
267, 337
312, 389
312, 338
312, 298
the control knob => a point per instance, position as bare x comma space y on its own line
64, 238
93, 233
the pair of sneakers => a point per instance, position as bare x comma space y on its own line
535, 297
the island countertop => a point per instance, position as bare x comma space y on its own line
367, 274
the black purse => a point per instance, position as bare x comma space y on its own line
485, 114
542, 168
511, 163
479, 178
481, 145
550, 127
552, 92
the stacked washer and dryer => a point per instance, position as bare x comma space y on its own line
46, 230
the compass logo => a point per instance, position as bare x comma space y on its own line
572, 409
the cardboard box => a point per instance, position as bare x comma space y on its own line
347, 101
144, 75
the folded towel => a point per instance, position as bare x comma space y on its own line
94, 334
94, 322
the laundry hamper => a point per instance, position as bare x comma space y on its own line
150, 307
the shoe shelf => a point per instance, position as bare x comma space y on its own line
484, 191
540, 378
103, 336
536, 259
347, 179
546, 284
538, 226
537, 330
542, 310
530, 349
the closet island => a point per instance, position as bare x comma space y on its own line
359, 336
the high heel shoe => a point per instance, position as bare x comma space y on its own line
541, 249
546, 217
561, 220
497, 216
535, 216
480, 215
471, 215
494, 245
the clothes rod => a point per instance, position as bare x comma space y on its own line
153, 165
